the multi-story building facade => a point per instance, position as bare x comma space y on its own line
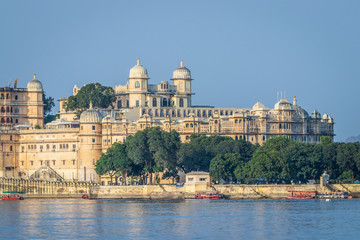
68, 148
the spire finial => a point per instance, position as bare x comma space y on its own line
34, 76
138, 61
181, 63
90, 106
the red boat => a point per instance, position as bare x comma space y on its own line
12, 196
209, 195
302, 194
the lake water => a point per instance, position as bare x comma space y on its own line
182, 219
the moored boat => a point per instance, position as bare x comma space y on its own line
302, 194
209, 195
12, 196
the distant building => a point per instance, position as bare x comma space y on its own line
68, 148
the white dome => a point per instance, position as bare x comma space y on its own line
259, 106
182, 72
34, 85
138, 71
90, 116
283, 104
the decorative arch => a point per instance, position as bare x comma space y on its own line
137, 84
164, 102
154, 102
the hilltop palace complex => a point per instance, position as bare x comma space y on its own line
68, 148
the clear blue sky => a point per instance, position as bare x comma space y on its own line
239, 52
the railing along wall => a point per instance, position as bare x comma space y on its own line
45, 188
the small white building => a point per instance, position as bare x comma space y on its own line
197, 181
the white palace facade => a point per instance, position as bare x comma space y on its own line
68, 148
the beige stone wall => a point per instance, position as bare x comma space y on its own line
56, 148
138, 191
45, 188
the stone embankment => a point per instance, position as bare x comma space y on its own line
44, 189
41, 189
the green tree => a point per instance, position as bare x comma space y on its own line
48, 105
346, 157
268, 165
154, 150
325, 140
197, 154
304, 160
115, 161
223, 166
100, 96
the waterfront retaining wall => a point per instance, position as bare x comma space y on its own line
281, 191
138, 191
41, 188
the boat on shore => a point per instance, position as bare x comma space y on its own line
209, 195
12, 196
302, 194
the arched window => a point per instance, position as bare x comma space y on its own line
216, 121
173, 114
191, 125
187, 137
16, 121
16, 97
7, 96
161, 113
11, 109
164, 102
7, 109
167, 112
184, 113
127, 103
178, 113
156, 113
137, 84
2, 109
150, 112
8, 120
181, 103
154, 102
119, 104
236, 137
236, 121
198, 113
2, 120
2, 96
204, 113
187, 125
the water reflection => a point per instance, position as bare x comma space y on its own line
186, 219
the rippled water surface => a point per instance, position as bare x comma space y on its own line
183, 219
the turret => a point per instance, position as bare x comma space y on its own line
90, 144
